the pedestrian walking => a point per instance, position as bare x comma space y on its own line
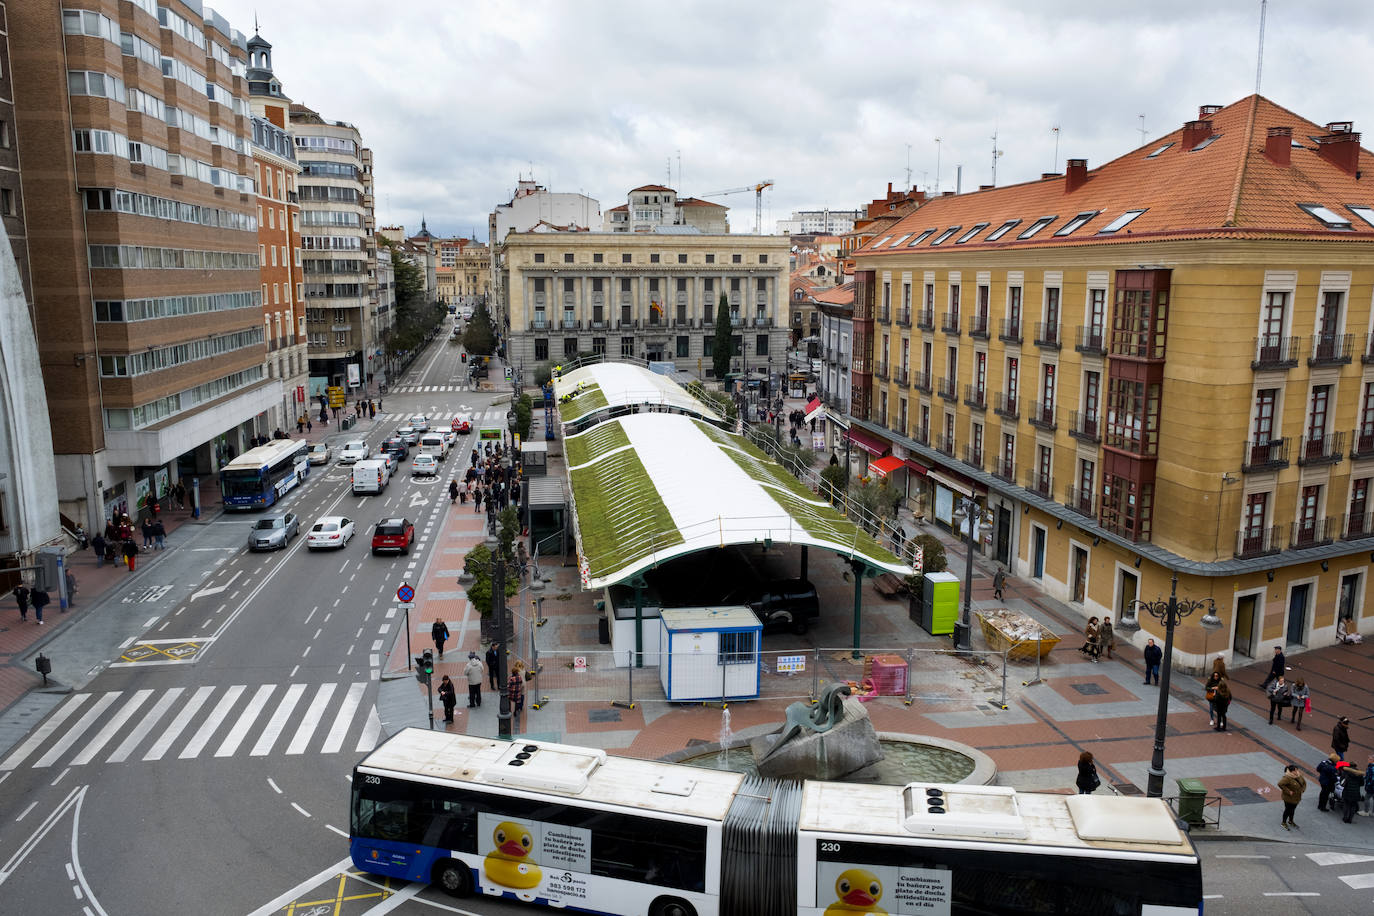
1091, 634
21, 594
1300, 701
439, 633
39, 598
1280, 695
309, 426
1340, 736
1153, 656
515, 690
999, 582
1326, 780
1368, 810
452, 492
1088, 780
159, 535
300, 425
130, 554
1291, 786
181, 495
111, 551
473, 671
1222, 701
1277, 665
98, 545
147, 529
1349, 782
448, 698
493, 661
71, 589
1209, 688
1106, 636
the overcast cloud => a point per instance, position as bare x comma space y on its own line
460, 99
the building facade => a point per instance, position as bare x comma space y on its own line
819, 222
1162, 366
147, 304
653, 206
646, 296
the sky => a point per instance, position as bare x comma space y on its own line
831, 101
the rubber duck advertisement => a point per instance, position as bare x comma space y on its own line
850, 889
532, 860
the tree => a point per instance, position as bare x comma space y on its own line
477, 563
479, 337
720, 358
524, 412
509, 524
834, 478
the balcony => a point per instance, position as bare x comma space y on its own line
945, 445
1258, 542
1080, 501
1357, 526
880, 371
921, 381
1327, 449
569, 324
1084, 427
904, 318
1361, 444
950, 323
921, 435
1005, 405
976, 396
1331, 350
1274, 352
1265, 455
978, 327
1047, 335
973, 456
626, 324
1010, 331
1042, 415
902, 376
540, 324
948, 389
762, 322
1004, 469
599, 325
1039, 484
1368, 355
1312, 532
882, 313
925, 319
1091, 341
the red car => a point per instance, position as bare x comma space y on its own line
461, 425
393, 534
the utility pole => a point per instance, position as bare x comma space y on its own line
1259, 57
1142, 130
1054, 166
908, 165
996, 154
937, 165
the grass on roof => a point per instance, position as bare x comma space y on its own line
620, 516
593, 443
587, 399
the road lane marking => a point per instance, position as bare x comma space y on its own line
188, 712
337, 830
44, 731
26, 811
71, 737
202, 737
312, 719
37, 836
300, 809
371, 732
125, 713
275, 788
293, 672
278, 721
150, 719
273, 906
246, 719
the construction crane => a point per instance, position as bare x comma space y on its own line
758, 200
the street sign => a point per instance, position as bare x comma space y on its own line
579, 663
788, 664
405, 594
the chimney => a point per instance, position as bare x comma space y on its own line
1075, 175
1206, 111
986, 187
1278, 146
1340, 146
1194, 132
1045, 175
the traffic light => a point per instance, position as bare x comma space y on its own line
424, 666
463, 357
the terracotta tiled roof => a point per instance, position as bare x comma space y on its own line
1227, 188
614, 209
836, 295
694, 202
651, 187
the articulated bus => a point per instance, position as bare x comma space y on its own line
261, 476
578, 829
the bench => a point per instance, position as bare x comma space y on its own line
889, 585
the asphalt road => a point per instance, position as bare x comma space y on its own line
1285, 879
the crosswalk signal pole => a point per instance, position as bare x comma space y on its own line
424, 673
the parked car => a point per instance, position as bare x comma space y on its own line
330, 531
397, 447
786, 603
320, 453
461, 425
273, 532
424, 465
419, 422
408, 433
353, 452
393, 534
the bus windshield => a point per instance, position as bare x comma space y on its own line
240, 483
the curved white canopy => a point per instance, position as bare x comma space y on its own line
607, 386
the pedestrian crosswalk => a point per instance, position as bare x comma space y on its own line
422, 389
214, 721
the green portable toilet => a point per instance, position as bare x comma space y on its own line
940, 608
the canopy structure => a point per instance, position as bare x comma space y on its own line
649, 487
884, 466
594, 392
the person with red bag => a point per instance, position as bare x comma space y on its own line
1301, 700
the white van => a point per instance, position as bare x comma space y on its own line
435, 444
370, 477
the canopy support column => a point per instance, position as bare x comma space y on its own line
803, 561
858, 569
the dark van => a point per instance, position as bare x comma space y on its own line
787, 603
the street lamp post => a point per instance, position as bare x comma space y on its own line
498, 607
1171, 613
963, 628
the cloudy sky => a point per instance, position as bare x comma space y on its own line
831, 101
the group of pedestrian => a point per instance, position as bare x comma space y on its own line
1098, 637
117, 541
36, 597
1217, 690
490, 479
1339, 780
473, 673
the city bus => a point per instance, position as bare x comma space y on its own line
261, 476
576, 828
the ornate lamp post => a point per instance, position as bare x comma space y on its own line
963, 628
1171, 613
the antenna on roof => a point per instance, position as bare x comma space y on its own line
1142, 130
1054, 166
1259, 62
908, 165
937, 165
995, 154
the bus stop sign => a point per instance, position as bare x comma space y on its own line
405, 594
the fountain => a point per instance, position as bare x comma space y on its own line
725, 737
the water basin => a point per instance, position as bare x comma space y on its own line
904, 761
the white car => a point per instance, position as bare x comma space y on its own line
408, 433
353, 452
423, 465
419, 422
329, 531
320, 453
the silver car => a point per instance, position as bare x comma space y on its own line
273, 532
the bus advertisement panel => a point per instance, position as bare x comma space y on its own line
261, 476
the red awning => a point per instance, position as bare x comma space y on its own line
871, 444
916, 467
813, 407
884, 466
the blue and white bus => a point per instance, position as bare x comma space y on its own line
261, 476
576, 828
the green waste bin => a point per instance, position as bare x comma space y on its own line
347, 423
1192, 798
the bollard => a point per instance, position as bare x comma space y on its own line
44, 666
910, 674
816, 676
1003, 703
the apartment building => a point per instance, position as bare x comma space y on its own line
276, 171
653, 206
836, 309
338, 251
147, 304
819, 222
646, 295
532, 206
1160, 366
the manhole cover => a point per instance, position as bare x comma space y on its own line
1126, 788
1241, 795
1089, 690
603, 715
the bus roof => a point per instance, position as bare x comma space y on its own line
585, 774
982, 814
265, 455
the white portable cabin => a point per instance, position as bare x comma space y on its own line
709, 653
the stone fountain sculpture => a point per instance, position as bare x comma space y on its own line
830, 740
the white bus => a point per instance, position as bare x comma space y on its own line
575, 828
261, 476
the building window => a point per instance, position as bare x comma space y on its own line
1317, 416
708, 345
1266, 401
1133, 416
736, 259
567, 257
1138, 323
1044, 470
1097, 308
599, 346
1127, 507
625, 258
682, 259
598, 258
1052, 309
653, 258
682, 346
569, 347
1047, 390
761, 345
539, 257
627, 346
1013, 378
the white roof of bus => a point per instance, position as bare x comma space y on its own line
266, 454
558, 770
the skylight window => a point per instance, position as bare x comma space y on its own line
921, 238
1003, 230
1036, 226
944, 236
1160, 150
1328, 218
971, 233
883, 241
900, 240
1073, 224
1363, 212
1121, 222
1205, 143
